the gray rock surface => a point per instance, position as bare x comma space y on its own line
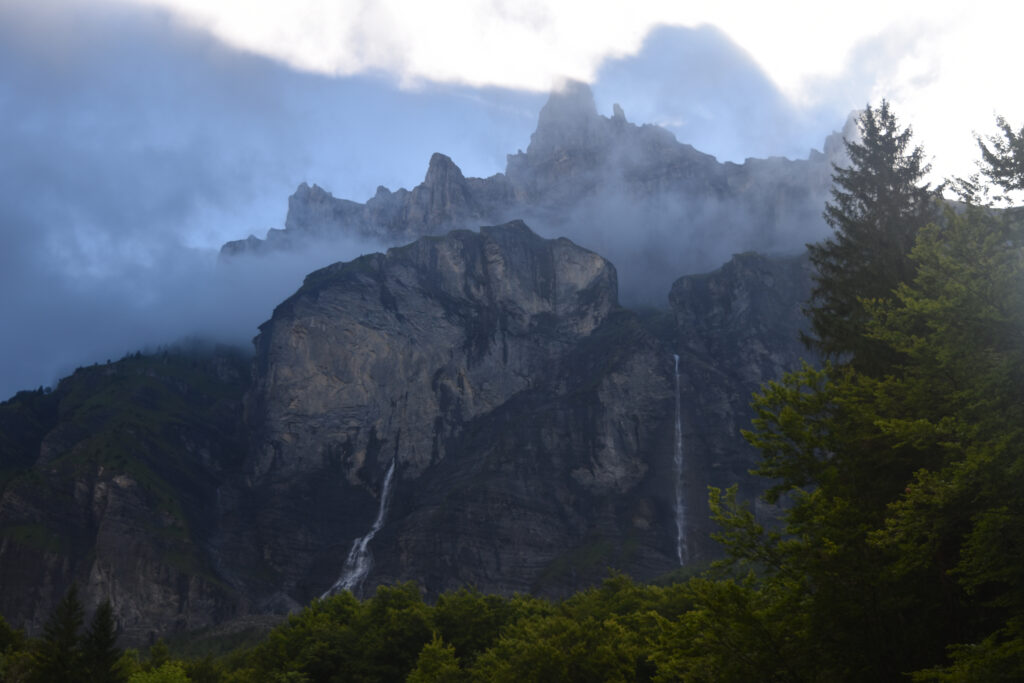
654, 206
531, 417
111, 482
531, 420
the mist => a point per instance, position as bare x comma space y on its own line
135, 146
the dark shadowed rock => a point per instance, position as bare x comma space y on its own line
736, 328
114, 485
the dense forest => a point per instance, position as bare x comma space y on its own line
899, 464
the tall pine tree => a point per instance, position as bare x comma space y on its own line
878, 204
1003, 161
100, 654
58, 654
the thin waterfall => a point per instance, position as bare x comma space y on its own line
681, 550
359, 560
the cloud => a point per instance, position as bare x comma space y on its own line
135, 142
710, 92
134, 147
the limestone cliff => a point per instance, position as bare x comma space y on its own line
735, 329
531, 422
531, 419
490, 367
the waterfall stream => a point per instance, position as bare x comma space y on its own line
359, 560
681, 550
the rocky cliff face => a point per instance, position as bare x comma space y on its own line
735, 329
477, 407
530, 421
655, 207
111, 482
485, 365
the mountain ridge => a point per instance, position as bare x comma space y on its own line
527, 425
656, 207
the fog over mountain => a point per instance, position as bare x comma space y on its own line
656, 207
134, 147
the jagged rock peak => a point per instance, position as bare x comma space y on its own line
503, 258
304, 191
569, 100
834, 149
313, 210
442, 171
568, 119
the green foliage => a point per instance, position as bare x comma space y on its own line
470, 621
100, 654
878, 204
15, 659
341, 639
437, 663
168, 672
560, 648
64, 653
204, 670
903, 547
10, 638
1003, 161
736, 631
605, 634
58, 654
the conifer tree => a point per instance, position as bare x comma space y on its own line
58, 654
100, 653
1003, 162
878, 204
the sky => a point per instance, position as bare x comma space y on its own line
139, 135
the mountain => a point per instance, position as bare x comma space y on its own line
472, 408
655, 207
111, 481
475, 407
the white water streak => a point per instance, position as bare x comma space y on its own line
681, 550
359, 560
